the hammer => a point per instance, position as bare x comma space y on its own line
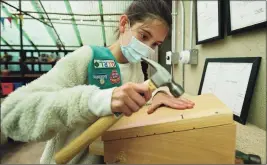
161, 78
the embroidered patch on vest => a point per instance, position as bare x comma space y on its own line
114, 77
101, 78
98, 64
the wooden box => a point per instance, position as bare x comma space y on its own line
203, 135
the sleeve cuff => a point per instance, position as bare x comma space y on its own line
100, 103
161, 89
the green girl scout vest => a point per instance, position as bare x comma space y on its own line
103, 70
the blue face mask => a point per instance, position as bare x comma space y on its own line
135, 50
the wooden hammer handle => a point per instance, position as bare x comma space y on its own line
89, 135
85, 139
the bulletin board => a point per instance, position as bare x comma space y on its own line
232, 80
245, 15
209, 22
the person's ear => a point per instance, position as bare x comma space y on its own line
123, 23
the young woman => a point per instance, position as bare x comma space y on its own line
91, 82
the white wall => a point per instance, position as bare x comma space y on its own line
249, 44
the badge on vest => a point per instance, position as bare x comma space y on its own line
101, 78
114, 77
99, 64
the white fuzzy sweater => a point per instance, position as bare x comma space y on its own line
59, 106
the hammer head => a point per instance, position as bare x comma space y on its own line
163, 78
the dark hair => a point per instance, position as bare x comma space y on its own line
141, 10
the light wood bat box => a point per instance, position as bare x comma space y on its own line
202, 135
